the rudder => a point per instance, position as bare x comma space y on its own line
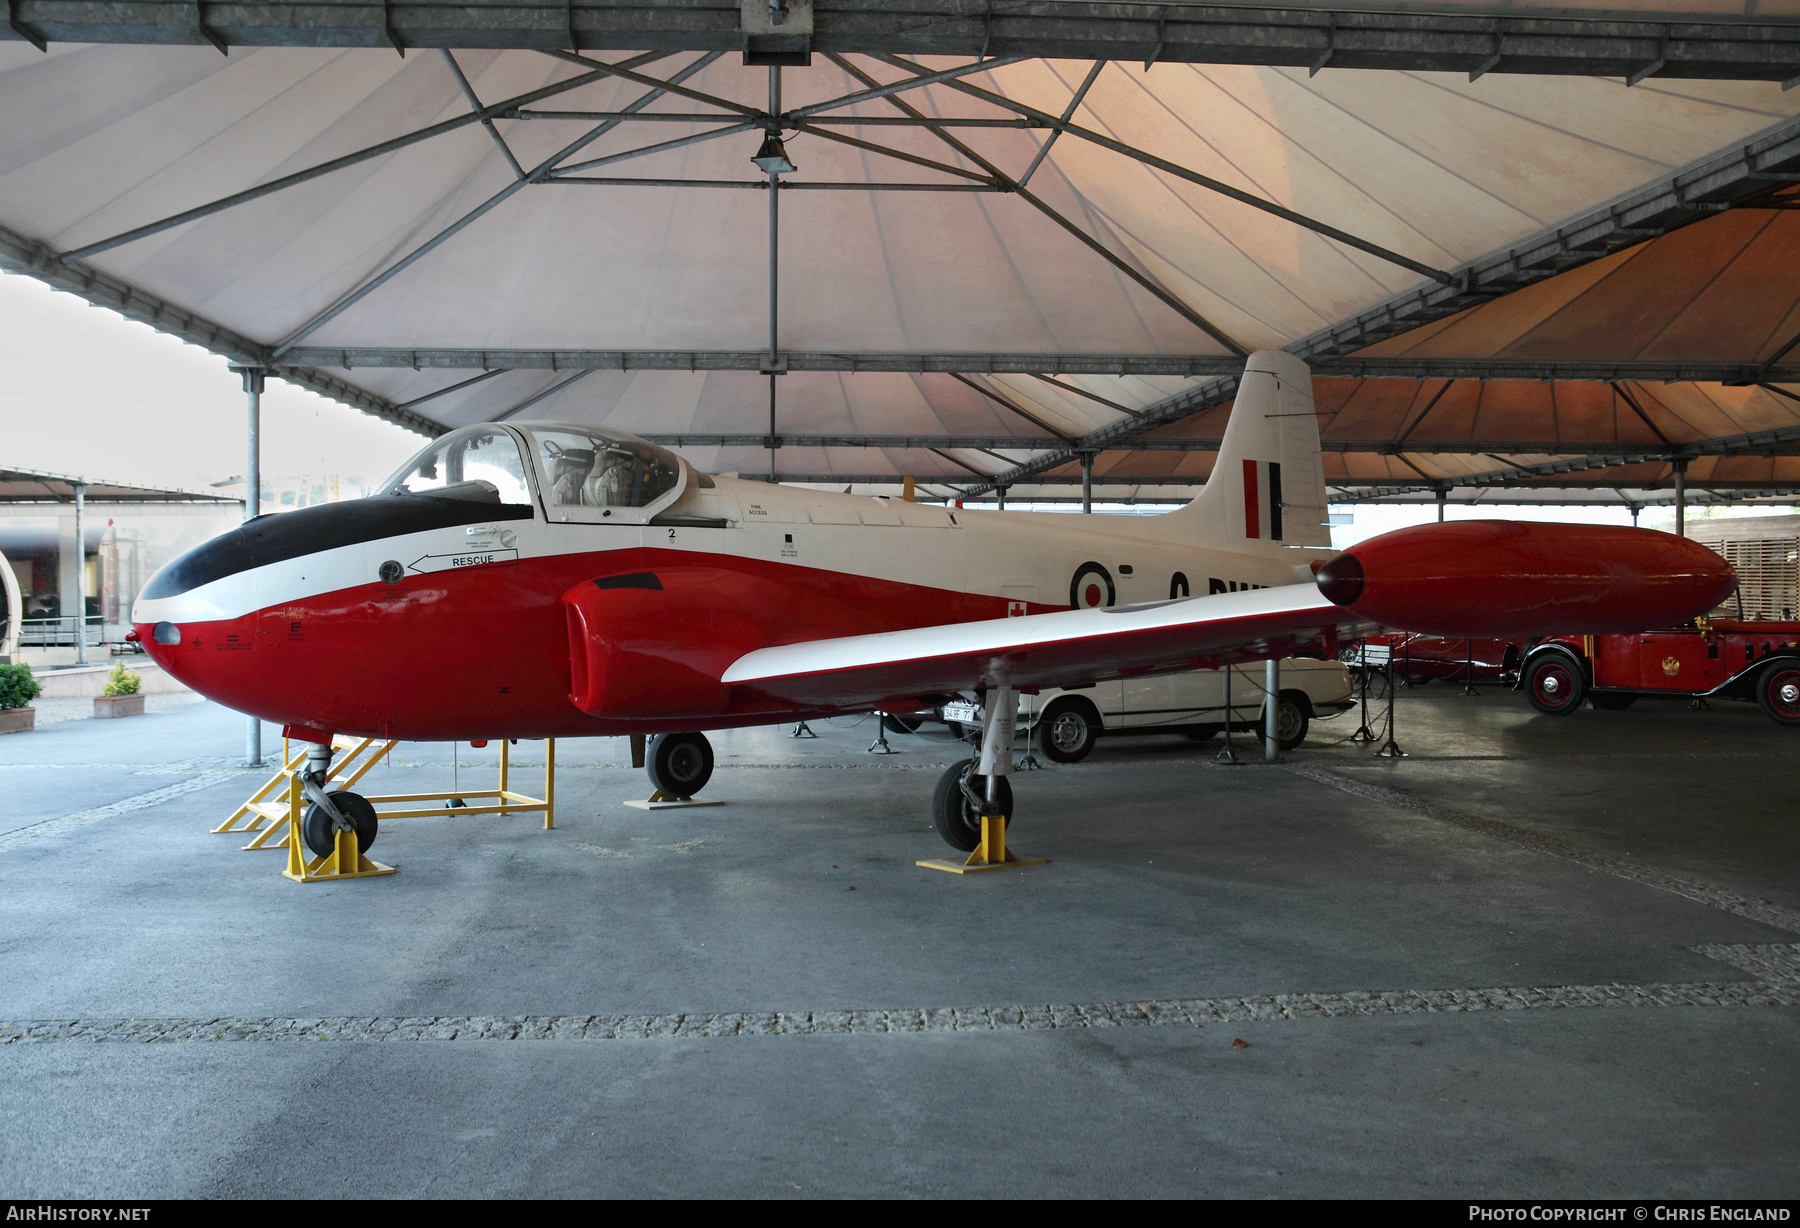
1268, 486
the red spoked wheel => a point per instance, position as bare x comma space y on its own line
1778, 692
1555, 685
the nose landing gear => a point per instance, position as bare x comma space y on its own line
338, 827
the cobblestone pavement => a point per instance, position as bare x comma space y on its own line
1777, 967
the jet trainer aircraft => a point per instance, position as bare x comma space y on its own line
556, 580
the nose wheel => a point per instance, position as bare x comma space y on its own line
320, 828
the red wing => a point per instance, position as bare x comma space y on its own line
1069, 648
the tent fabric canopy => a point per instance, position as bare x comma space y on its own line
1255, 207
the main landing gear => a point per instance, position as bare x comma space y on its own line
973, 801
679, 765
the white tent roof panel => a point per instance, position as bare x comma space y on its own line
1430, 165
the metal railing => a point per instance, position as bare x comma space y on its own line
60, 632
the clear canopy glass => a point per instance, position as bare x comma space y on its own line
480, 463
587, 467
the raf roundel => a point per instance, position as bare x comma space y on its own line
1092, 588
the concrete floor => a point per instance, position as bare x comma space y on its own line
1551, 862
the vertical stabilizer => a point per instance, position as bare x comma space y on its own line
1268, 487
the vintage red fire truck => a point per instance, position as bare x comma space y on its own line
1731, 658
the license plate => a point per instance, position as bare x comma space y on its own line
961, 712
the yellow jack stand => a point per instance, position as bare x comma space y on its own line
345, 860
668, 801
257, 812
282, 819
990, 854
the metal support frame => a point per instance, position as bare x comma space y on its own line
253, 390
1193, 177
1390, 749
1228, 752
1363, 732
81, 632
1535, 41
1271, 708
276, 824
537, 173
1009, 184
1680, 465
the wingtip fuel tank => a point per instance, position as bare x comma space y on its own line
1517, 578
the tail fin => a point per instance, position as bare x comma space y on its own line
1268, 486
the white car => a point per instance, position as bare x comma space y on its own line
1067, 723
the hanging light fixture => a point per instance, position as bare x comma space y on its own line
772, 157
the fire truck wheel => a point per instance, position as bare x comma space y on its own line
1612, 703
1067, 730
956, 818
321, 833
1555, 685
1778, 691
680, 764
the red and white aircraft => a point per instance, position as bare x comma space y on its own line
556, 580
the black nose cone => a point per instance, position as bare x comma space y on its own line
1341, 580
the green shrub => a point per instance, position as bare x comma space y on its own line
17, 687
123, 681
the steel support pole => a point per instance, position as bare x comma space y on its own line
253, 389
1681, 496
1443, 497
80, 573
774, 261
1271, 706
1087, 483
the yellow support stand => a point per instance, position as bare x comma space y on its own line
990, 854
282, 818
257, 811
345, 860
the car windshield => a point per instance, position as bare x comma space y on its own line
588, 468
480, 463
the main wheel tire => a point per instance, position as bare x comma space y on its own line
903, 724
955, 817
1202, 733
956, 729
679, 764
1778, 692
321, 833
1292, 719
1067, 730
1555, 685
1612, 703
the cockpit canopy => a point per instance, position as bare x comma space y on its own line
477, 463
590, 467
582, 467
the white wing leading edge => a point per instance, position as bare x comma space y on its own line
1068, 648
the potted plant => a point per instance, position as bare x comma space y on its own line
17, 689
121, 697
